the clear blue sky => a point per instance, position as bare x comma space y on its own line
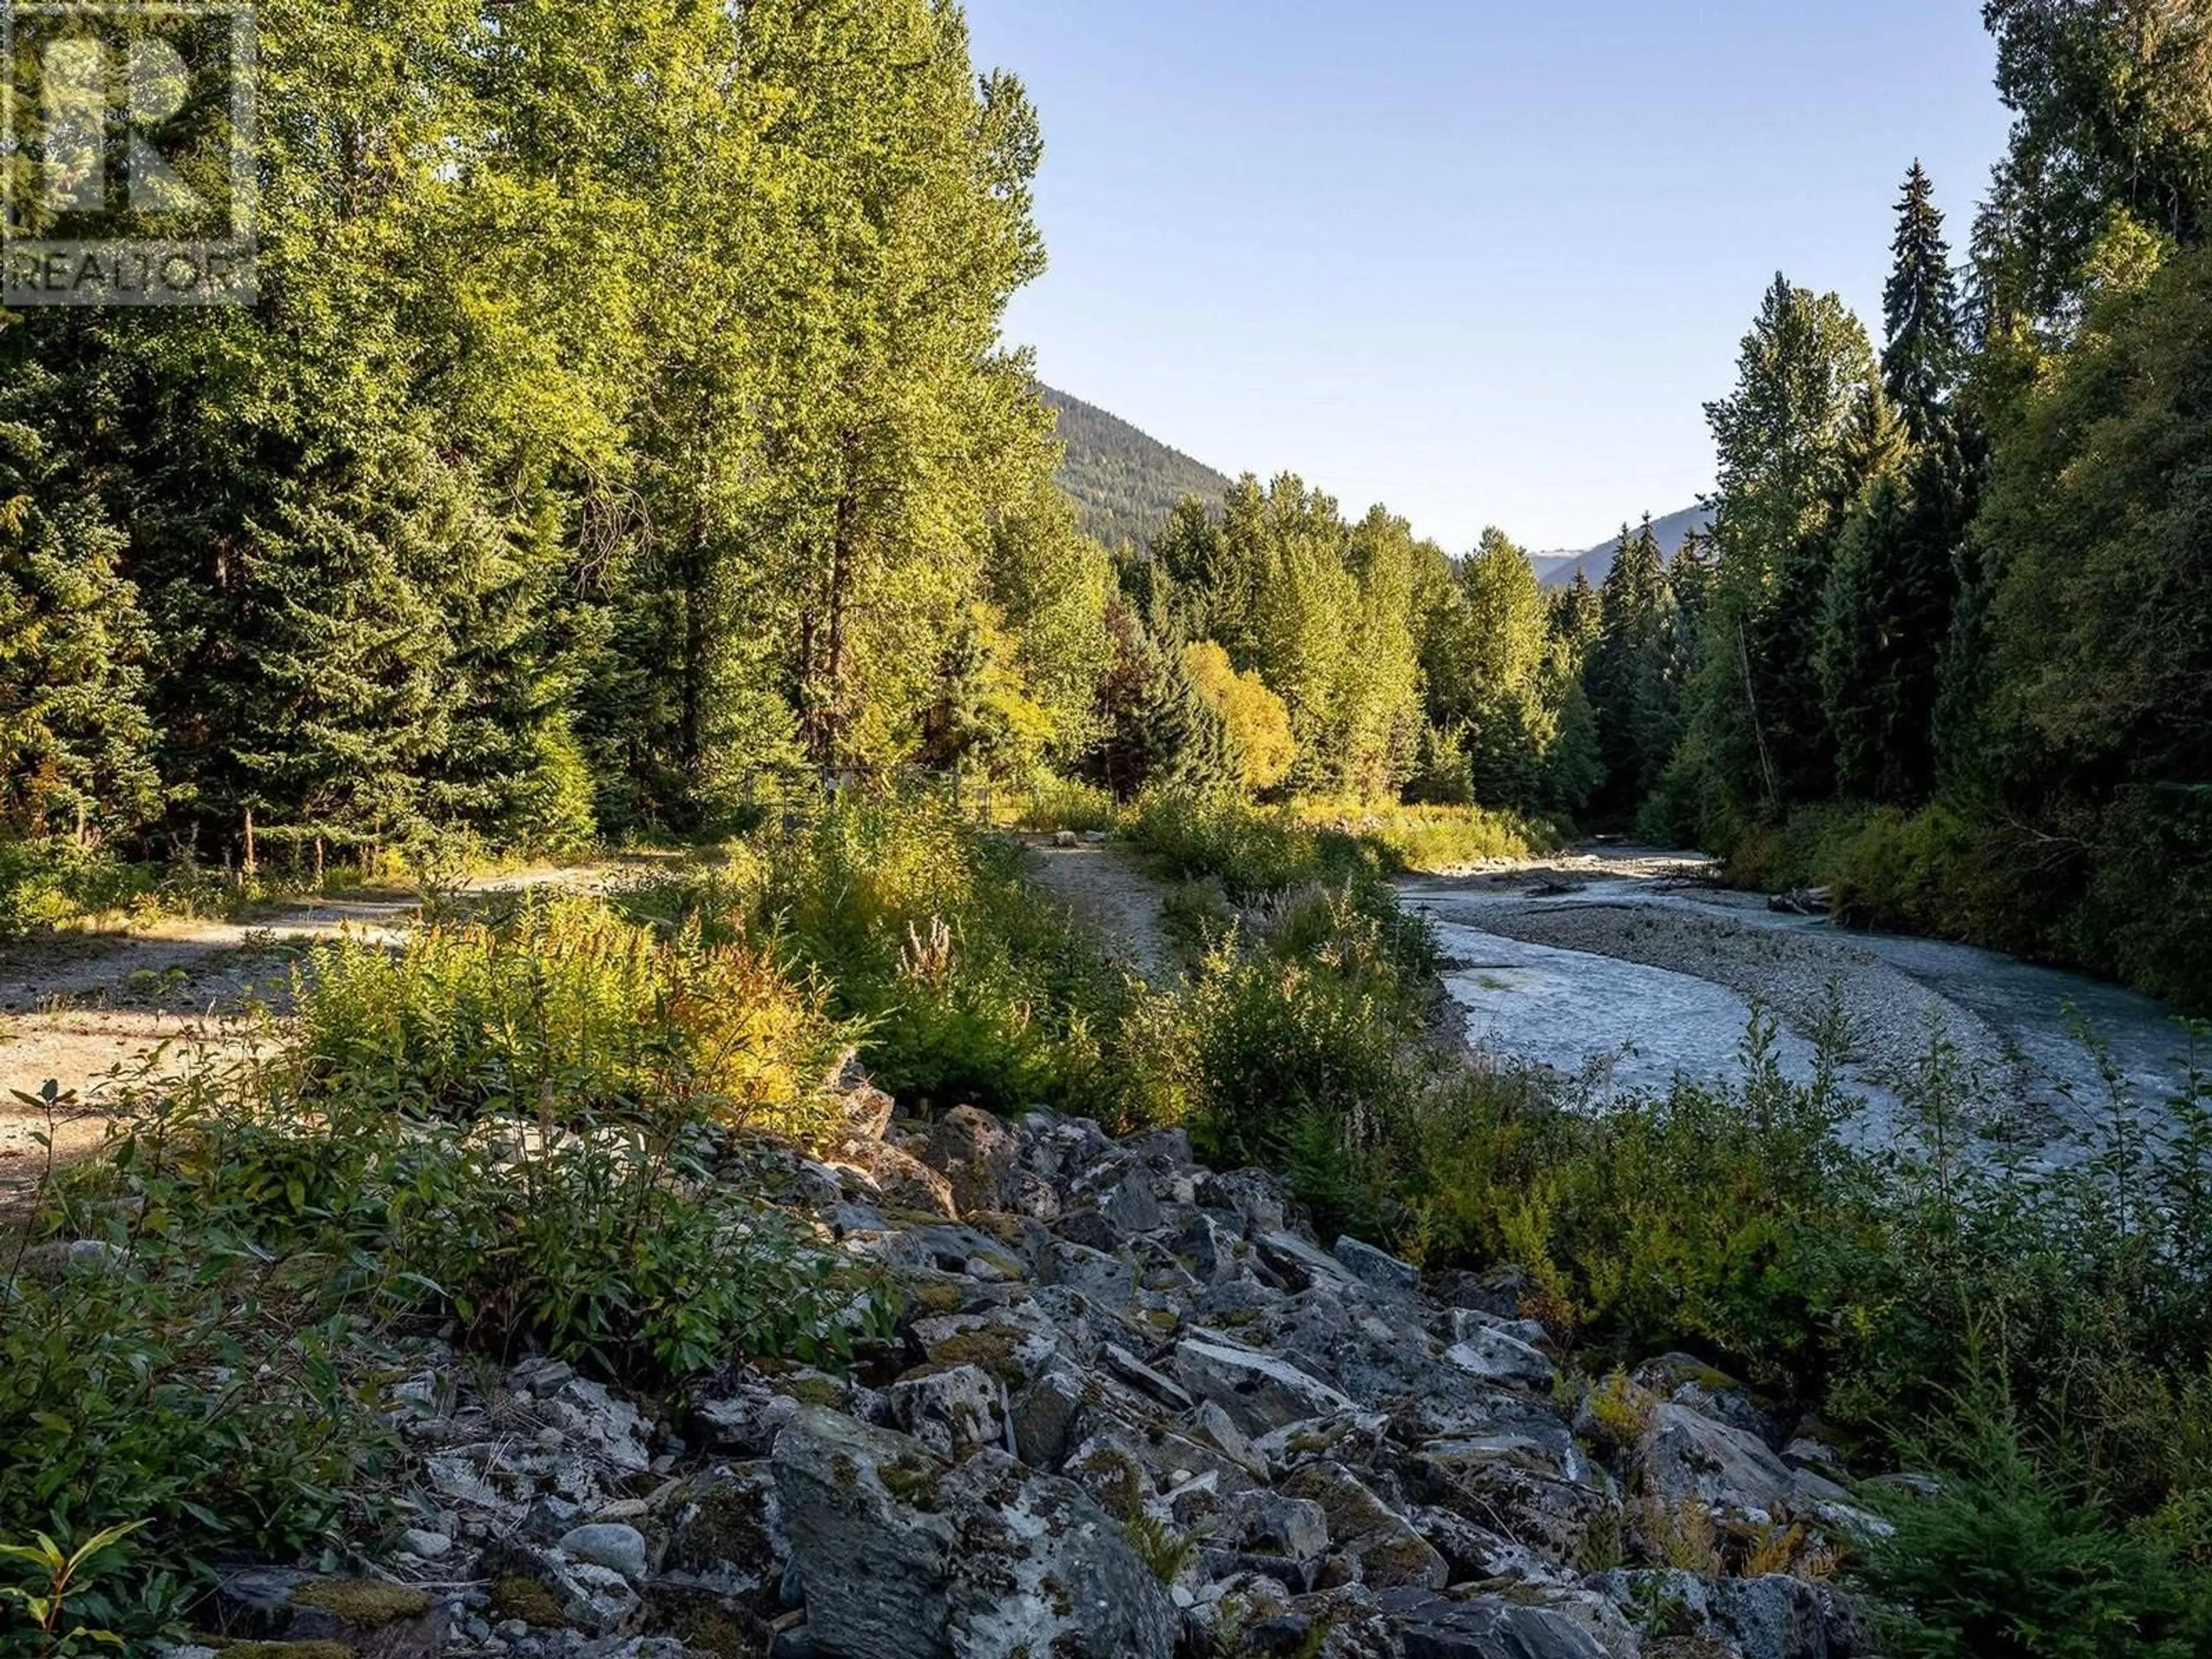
1481, 261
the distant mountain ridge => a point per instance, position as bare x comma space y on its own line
1124, 482
1558, 569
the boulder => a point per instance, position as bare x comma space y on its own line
365, 1617
1769, 1618
1488, 1353
1687, 1454
977, 1155
1429, 1627
904, 1181
875, 1562
1259, 1392
902, 1558
544, 1586
1390, 1553
726, 1535
613, 1545
953, 1412
1044, 1416
1376, 1270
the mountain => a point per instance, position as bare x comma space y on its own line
1558, 569
1125, 481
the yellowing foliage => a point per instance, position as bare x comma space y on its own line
1259, 721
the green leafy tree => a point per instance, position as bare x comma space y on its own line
1798, 438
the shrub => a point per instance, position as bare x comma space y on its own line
1053, 803
970, 986
2015, 1557
567, 1006
48, 884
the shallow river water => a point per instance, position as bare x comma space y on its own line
1663, 974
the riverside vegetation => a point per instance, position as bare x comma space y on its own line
568, 1130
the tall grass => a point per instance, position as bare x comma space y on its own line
570, 1009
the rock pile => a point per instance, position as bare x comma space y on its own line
1138, 1412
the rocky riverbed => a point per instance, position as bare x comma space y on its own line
1136, 1409
1624, 967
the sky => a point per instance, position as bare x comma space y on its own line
1483, 262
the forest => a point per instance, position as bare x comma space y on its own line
546, 556
624, 465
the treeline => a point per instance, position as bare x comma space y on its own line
1954, 652
624, 421
1398, 670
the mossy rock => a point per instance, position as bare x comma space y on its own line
991, 1349
812, 1391
526, 1599
363, 1601
704, 1624
936, 1298
912, 1482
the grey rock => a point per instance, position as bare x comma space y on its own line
1044, 1414
1126, 1205
901, 1180
866, 1111
877, 1570
277, 1605
1296, 1528
1133, 1370
1488, 1353
1462, 1323
1374, 1269
1259, 1392
1771, 1618
612, 1430
904, 1558
951, 1411
608, 1544
1259, 1200
1301, 1265
596, 1600
1390, 1553
978, 1154
726, 1534
427, 1545
1210, 1424
1430, 1626
1689, 1455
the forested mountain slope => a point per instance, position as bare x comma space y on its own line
1125, 481
1559, 569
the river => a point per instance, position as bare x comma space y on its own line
1619, 966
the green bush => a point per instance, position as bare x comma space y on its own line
969, 985
46, 884
568, 1007
2015, 1556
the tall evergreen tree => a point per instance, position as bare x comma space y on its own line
75, 743
1629, 678
1920, 310
1796, 437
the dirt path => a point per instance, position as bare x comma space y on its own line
86, 1012
1105, 887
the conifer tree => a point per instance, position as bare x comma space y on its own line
1629, 677
1920, 311
75, 743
